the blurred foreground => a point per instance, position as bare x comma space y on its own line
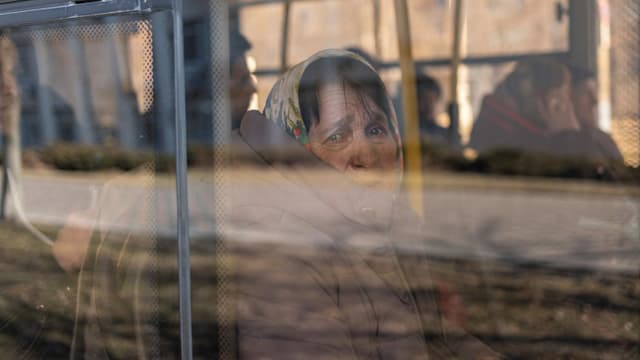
533, 268
524, 311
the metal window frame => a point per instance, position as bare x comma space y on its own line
36, 12
33, 12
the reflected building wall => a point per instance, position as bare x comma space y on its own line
71, 85
96, 90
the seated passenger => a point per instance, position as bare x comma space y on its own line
333, 111
531, 110
241, 88
319, 215
429, 95
584, 94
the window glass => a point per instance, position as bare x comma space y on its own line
89, 228
344, 23
515, 27
528, 227
336, 208
431, 29
267, 43
490, 28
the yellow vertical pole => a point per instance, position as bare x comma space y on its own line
410, 108
376, 27
284, 48
456, 51
456, 59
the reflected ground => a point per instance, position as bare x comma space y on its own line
533, 268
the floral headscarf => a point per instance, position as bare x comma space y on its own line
283, 105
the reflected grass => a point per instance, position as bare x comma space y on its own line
37, 300
532, 310
522, 310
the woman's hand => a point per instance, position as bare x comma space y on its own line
72, 241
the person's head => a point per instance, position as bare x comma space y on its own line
241, 83
344, 116
429, 95
541, 90
584, 94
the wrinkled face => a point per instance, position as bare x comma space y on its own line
241, 88
354, 135
585, 103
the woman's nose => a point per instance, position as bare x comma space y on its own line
363, 155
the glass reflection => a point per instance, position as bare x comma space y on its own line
317, 212
90, 265
305, 246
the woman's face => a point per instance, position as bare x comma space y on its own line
353, 135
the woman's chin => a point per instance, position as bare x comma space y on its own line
376, 180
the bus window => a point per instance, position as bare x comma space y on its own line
88, 202
508, 227
389, 179
499, 27
267, 16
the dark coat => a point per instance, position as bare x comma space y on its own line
316, 259
604, 145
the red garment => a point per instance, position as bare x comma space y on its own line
499, 126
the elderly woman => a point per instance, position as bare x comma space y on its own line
317, 272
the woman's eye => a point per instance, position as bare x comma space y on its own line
335, 138
377, 131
